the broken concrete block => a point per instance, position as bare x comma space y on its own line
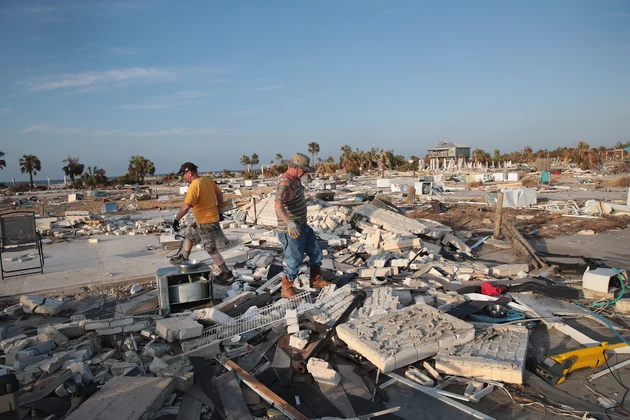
54, 335
9, 342
380, 301
402, 337
505, 270
496, 355
211, 314
450, 239
402, 244
82, 369
321, 371
31, 301
300, 339
178, 328
157, 365
623, 306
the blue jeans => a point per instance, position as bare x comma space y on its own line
294, 250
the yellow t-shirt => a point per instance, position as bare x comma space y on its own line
202, 196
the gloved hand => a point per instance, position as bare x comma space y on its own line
176, 225
293, 229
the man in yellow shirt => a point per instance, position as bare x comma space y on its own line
204, 198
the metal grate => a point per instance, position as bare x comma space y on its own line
258, 318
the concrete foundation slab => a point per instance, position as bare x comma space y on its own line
399, 338
496, 355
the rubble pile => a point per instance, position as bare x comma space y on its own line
412, 302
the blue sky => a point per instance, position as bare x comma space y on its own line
209, 81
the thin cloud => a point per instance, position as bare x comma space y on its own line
294, 101
268, 88
46, 128
242, 112
166, 101
97, 78
5, 111
176, 131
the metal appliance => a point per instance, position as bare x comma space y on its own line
181, 288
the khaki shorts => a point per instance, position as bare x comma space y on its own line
210, 234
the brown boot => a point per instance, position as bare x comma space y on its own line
287, 287
316, 279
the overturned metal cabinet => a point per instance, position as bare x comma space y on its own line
180, 289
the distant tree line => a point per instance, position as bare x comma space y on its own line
350, 160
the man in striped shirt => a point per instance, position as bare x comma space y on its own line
295, 234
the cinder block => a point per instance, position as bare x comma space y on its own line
181, 328
623, 306
505, 270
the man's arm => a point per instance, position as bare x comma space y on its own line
182, 211
284, 194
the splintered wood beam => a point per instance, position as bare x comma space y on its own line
262, 390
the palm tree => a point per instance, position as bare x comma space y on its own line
3, 164
73, 167
30, 164
279, 157
385, 160
255, 161
94, 177
139, 167
313, 149
245, 160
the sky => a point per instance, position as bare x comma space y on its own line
211, 81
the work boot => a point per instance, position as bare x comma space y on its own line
177, 259
316, 280
287, 288
224, 279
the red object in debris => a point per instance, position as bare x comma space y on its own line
105, 200
491, 289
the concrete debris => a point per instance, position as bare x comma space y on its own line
423, 281
496, 355
399, 338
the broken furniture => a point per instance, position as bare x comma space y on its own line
183, 288
18, 232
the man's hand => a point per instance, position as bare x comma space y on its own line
176, 225
293, 229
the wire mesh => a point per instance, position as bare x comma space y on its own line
257, 318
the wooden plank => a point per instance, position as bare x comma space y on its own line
263, 391
232, 397
189, 409
521, 246
125, 398
338, 398
250, 361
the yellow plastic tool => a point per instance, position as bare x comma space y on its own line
554, 369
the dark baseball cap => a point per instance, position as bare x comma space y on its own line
187, 165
